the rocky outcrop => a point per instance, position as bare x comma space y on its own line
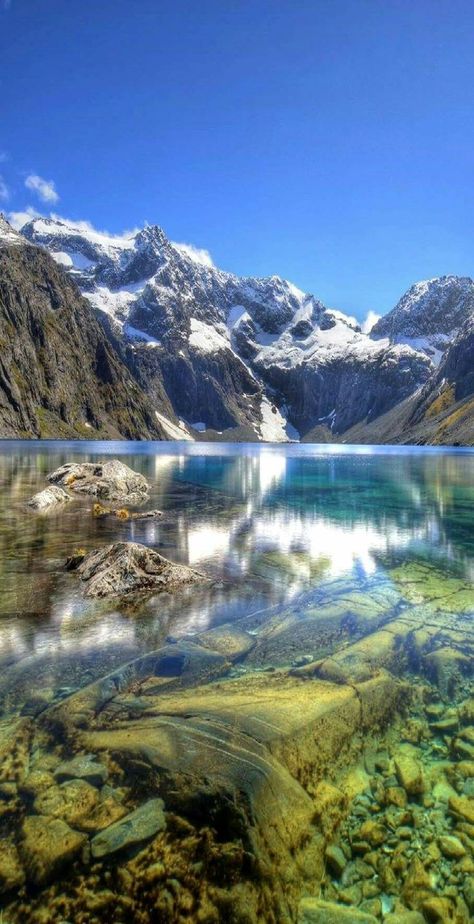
128, 567
111, 480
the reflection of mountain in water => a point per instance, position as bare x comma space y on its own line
268, 525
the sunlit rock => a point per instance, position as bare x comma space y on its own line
128, 567
50, 497
111, 480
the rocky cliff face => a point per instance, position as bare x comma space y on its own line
59, 374
441, 412
233, 354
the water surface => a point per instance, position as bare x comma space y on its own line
268, 524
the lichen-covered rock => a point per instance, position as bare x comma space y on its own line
138, 826
47, 844
107, 480
73, 801
50, 497
128, 567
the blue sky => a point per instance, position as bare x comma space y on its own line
328, 141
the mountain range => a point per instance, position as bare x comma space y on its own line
137, 337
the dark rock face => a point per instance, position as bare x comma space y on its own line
128, 567
442, 412
59, 375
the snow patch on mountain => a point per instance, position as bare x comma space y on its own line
273, 425
206, 338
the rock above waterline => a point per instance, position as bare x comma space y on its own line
134, 828
50, 497
112, 480
316, 911
128, 567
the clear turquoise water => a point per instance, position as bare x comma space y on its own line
274, 526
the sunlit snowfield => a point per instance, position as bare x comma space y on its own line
349, 567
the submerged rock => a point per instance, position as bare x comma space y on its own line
82, 767
48, 844
316, 911
409, 774
128, 567
138, 826
73, 801
11, 870
111, 479
50, 497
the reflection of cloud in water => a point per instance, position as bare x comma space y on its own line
265, 522
271, 469
342, 547
207, 541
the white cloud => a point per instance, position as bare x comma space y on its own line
4, 191
18, 219
45, 189
197, 254
371, 319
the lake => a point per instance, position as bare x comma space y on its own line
308, 733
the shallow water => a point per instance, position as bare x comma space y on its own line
284, 532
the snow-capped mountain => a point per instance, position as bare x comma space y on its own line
257, 358
429, 316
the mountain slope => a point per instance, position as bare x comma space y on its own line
59, 374
233, 354
440, 413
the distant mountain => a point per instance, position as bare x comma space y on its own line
236, 357
59, 374
429, 316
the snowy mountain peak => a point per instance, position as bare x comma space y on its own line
429, 314
8, 235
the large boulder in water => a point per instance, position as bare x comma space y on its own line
128, 567
112, 480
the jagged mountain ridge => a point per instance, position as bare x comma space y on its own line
246, 356
429, 316
59, 374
